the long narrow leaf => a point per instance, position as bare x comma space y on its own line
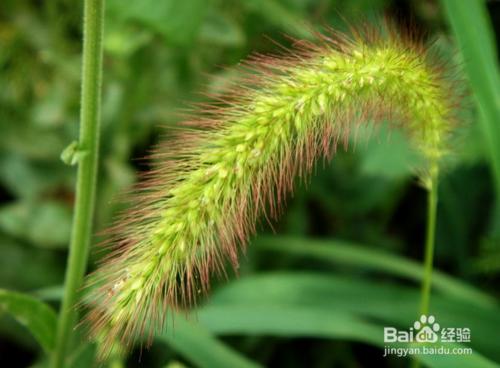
201, 348
296, 321
346, 253
474, 33
391, 304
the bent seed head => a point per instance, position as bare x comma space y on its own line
201, 201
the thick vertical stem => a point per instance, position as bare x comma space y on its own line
87, 173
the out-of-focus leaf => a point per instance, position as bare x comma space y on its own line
474, 33
121, 174
83, 357
50, 293
45, 224
386, 154
326, 306
122, 40
463, 200
31, 140
36, 316
29, 179
49, 111
346, 253
177, 21
287, 320
488, 260
220, 30
44, 266
339, 188
202, 349
280, 16
175, 364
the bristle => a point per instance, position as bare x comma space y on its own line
236, 162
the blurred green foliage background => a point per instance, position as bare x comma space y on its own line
342, 263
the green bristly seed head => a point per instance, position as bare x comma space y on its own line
209, 186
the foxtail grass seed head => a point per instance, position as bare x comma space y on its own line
210, 185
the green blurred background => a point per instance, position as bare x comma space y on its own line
342, 261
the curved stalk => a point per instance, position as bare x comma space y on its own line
87, 174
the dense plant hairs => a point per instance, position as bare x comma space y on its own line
238, 159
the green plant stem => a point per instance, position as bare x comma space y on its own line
432, 198
87, 174
425, 294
